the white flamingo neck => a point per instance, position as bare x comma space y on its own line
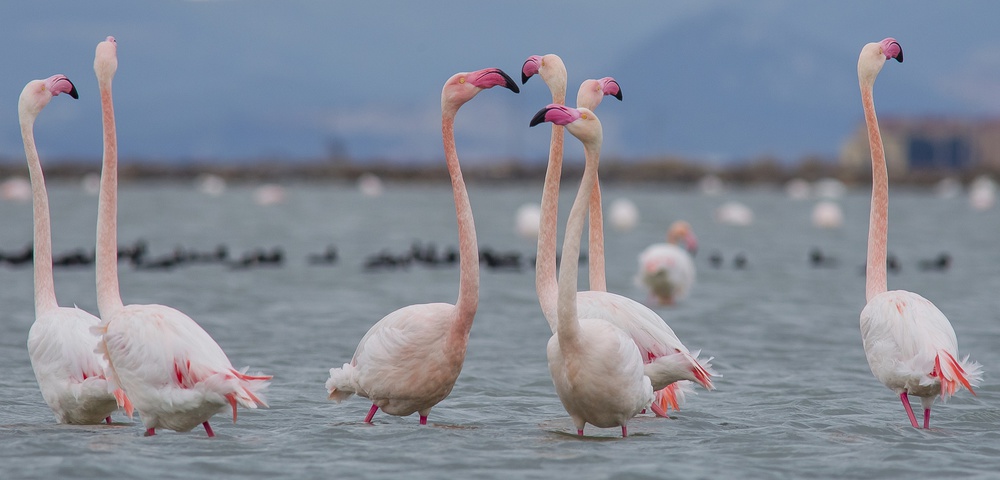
568, 325
468, 247
108, 293
595, 239
546, 286
875, 269
45, 292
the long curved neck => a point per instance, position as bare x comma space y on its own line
545, 258
108, 294
878, 226
468, 247
45, 292
568, 326
595, 241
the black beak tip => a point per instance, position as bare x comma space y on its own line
72, 92
619, 95
539, 117
509, 82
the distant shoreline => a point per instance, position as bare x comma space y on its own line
666, 170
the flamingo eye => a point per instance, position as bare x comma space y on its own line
461, 79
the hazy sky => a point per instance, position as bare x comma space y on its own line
233, 79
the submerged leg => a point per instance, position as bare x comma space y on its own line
371, 413
208, 429
909, 410
150, 432
927, 418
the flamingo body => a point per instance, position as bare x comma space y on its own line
911, 347
404, 364
176, 375
70, 374
600, 378
667, 271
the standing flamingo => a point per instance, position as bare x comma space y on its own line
598, 372
650, 333
176, 375
410, 359
61, 347
910, 345
667, 269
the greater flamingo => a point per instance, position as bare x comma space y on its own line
176, 375
71, 376
649, 332
410, 359
597, 370
667, 269
910, 345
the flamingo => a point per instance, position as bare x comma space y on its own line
651, 334
176, 375
667, 269
910, 345
598, 372
70, 375
409, 361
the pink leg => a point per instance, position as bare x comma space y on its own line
927, 418
624, 431
150, 432
371, 413
423, 420
580, 432
909, 410
208, 429
108, 420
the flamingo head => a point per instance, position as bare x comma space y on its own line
552, 70
680, 233
37, 94
593, 91
873, 57
582, 123
106, 60
461, 87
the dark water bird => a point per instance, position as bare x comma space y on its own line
819, 259
715, 259
500, 260
937, 264
386, 260
75, 258
23, 257
740, 261
260, 257
327, 257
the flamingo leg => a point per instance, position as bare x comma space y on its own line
579, 432
108, 420
371, 413
624, 431
927, 418
208, 429
423, 419
150, 432
909, 410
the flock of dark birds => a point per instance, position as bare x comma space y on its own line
419, 254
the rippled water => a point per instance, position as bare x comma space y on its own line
796, 398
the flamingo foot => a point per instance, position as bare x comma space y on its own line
149, 432
423, 419
909, 410
108, 420
371, 413
579, 432
927, 418
208, 429
624, 431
